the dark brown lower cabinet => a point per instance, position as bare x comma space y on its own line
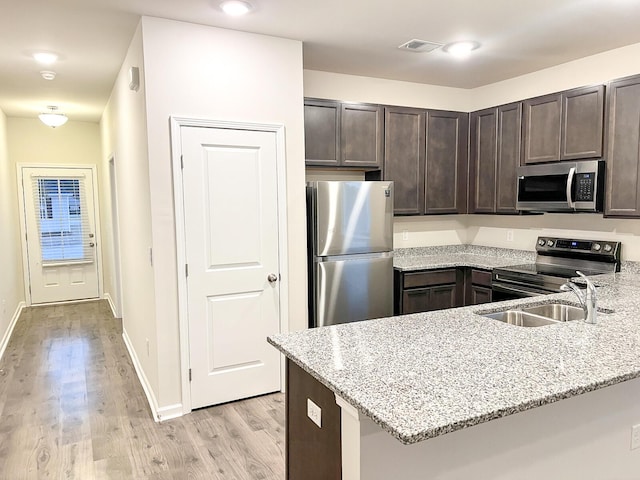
313, 453
428, 290
477, 286
430, 298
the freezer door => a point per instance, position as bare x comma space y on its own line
353, 289
353, 217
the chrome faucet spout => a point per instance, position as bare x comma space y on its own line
588, 299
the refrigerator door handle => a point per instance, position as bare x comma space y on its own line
358, 256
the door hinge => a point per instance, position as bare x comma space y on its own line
186, 269
189, 374
181, 162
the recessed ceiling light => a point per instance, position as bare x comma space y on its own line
461, 49
48, 74
235, 8
46, 58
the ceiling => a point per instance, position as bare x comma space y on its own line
346, 36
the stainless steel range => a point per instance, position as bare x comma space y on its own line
557, 261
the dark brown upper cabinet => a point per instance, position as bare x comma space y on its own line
322, 132
582, 121
495, 136
509, 144
542, 124
404, 147
563, 126
361, 135
622, 191
341, 134
446, 162
483, 163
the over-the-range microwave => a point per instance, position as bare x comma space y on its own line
561, 187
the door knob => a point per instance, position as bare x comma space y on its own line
272, 277
92, 244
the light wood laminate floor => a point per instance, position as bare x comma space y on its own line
71, 407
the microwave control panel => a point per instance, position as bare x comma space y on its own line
585, 186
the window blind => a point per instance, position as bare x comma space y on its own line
64, 229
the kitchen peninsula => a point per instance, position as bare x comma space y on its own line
452, 394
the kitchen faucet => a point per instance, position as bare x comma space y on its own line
587, 298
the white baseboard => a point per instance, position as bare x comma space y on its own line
12, 325
112, 305
159, 414
169, 412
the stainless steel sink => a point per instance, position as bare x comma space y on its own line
521, 318
557, 311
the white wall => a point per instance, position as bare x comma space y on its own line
353, 88
599, 68
124, 134
430, 230
200, 71
491, 230
75, 143
11, 279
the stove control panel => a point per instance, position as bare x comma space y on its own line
600, 249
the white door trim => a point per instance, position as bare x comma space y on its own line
115, 220
178, 122
23, 226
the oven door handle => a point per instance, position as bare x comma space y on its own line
572, 174
504, 289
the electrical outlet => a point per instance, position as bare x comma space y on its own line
405, 235
314, 412
635, 437
509, 235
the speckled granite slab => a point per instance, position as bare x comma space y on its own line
424, 375
449, 256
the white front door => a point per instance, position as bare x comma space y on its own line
59, 220
231, 229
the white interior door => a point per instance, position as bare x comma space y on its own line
60, 229
231, 228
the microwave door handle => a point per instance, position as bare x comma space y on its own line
570, 202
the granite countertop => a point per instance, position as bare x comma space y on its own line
449, 256
424, 375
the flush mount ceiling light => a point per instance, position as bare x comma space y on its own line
45, 58
235, 8
461, 49
52, 118
48, 74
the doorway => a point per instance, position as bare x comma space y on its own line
230, 212
61, 255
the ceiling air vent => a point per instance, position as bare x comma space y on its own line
416, 45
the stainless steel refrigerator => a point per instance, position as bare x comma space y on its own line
350, 251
